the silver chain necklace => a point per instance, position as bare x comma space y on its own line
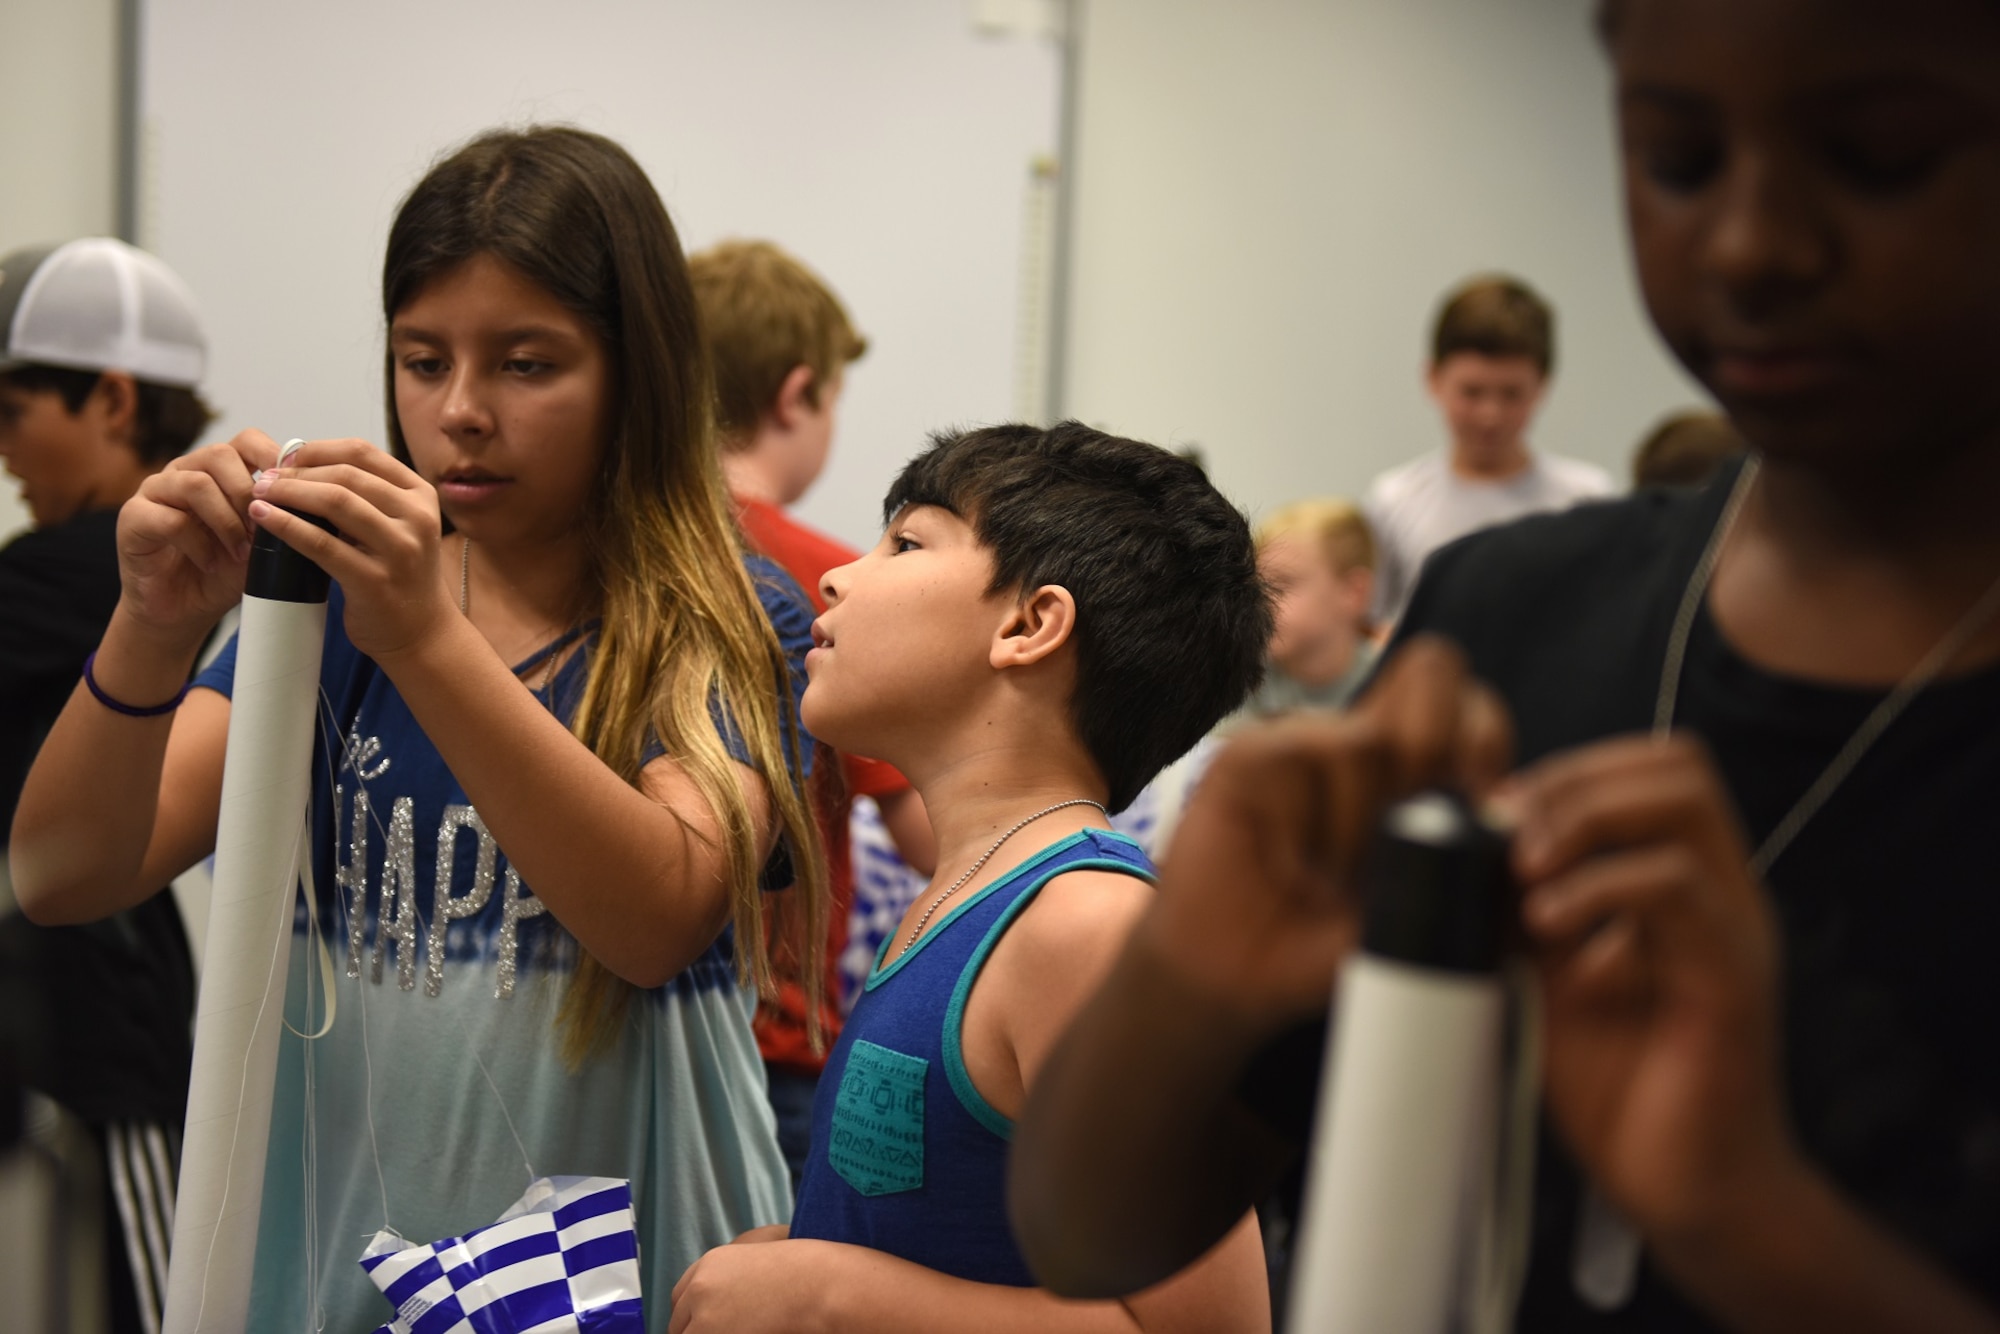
1878, 720
464, 600
973, 870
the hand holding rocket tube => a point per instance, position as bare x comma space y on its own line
1408, 1106
266, 784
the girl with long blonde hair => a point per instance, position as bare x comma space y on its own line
561, 767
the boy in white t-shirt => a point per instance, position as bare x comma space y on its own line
1492, 349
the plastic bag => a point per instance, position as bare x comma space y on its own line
564, 1260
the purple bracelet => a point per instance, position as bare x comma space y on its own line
118, 706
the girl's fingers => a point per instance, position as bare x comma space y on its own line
680, 1286
194, 540
1618, 794
357, 454
309, 489
198, 495
341, 561
1440, 726
1313, 784
1484, 750
1660, 884
1610, 966
254, 449
1417, 705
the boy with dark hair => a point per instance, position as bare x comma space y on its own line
1050, 618
1492, 351
780, 342
100, 352
1770, 1005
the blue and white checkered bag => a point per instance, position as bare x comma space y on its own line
564, 1260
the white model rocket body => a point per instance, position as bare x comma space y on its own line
266, 784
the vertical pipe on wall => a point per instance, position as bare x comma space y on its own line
1069, 47
125, 134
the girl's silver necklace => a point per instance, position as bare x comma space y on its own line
1878, 720
548, 666
973, 870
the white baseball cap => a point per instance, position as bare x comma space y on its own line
98, 304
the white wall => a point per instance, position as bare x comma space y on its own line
886, 142
1274, 193
1271, 196
58, 137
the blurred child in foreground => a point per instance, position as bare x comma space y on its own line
1765, 954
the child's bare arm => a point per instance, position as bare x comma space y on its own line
1133, 1155
825, 1287
1039, 977
116, 806
1660, 969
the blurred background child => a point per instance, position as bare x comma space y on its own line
1685, 449
1492, 352
1318, 559
99, 368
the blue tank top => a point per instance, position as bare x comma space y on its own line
906, 1156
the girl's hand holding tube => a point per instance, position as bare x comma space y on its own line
386, 553
1659, 962
1256, 904
184, 539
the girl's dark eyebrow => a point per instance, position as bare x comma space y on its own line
1667, 99
1889, 89
523, 333
1844, 96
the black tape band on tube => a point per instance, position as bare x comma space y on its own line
1436, 890
280, 574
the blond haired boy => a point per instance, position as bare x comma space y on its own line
1318, 558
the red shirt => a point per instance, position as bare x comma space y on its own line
807, 555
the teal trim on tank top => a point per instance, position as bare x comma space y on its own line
878, 975
969, 1096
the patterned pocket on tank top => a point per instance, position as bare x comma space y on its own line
877, 1143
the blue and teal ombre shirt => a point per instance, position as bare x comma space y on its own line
448, 974
907, 1157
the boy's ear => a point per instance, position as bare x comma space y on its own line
114, 400
794, 396
1039, 624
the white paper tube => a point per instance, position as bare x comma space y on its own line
266, 782
1408, 1100
1411, 1065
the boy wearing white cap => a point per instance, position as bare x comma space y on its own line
100, 352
